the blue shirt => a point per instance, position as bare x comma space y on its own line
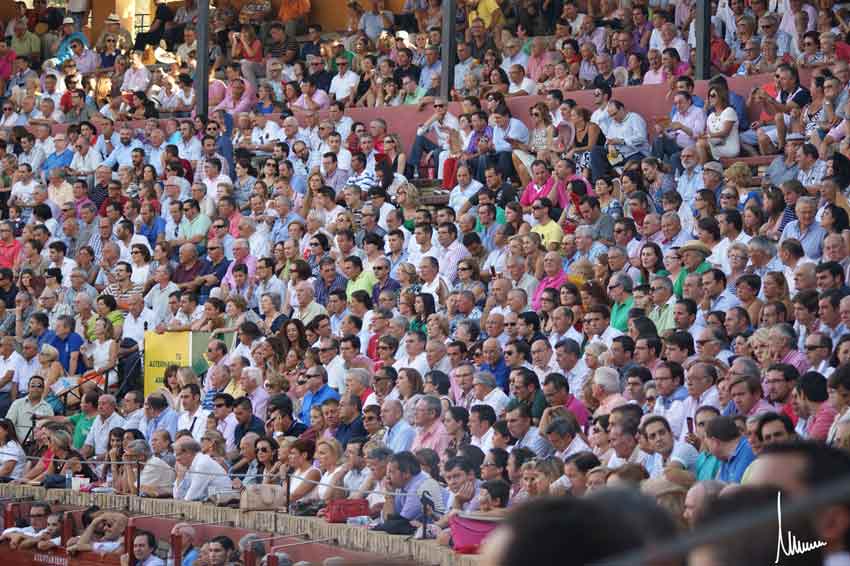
189, 557
732, 470
407, 504
153, 230
122, 154
57, 160
323, 291
166, 420
345, 432
280, 229
66, 347
317, 399
256, 425
400, 436
500, 371
811, 239
680, 394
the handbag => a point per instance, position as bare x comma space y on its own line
339, 510
306, 508
222, 497
615, 157
262, 497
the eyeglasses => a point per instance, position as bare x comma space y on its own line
536, 114
264, 449
301, 382
439, 105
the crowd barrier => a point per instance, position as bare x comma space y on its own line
346, 537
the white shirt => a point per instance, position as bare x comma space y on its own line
13, 451
68, 265
190, 150
204, 473
196, 423
87, 163
135, 327
632, 131
496, 399
675, 415
27, 369
527, 85
576, 446
419, 363
98, 437
14, 363
336, 374
485, 443
345, 85
690, 405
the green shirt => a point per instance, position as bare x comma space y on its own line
415, 97
707, 466
679, 283
364, 282
663, 317
620, 314
538, 404
28, 44
199, 226
82, 425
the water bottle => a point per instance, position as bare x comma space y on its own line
68, 479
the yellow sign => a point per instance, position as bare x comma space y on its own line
161, 351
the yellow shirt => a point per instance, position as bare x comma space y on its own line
365, 281
234, 390
487, 10
550, 233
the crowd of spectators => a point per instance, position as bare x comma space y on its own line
605, 299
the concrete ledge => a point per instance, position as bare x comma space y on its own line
352, 538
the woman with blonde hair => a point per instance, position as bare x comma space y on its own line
540, 142
580, 272
329, 455
539, 474
532, 247
408, 278
214, 446
395, 153
759, 343
407, 199
51, 370
101, 354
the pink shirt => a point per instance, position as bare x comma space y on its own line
818, 427
244, 104
610, 403
434, 437
547, 283
577, 408
533, 192
320, 97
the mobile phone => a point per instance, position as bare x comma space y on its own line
691, 425
492, 272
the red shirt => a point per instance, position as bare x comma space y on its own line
9, 252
